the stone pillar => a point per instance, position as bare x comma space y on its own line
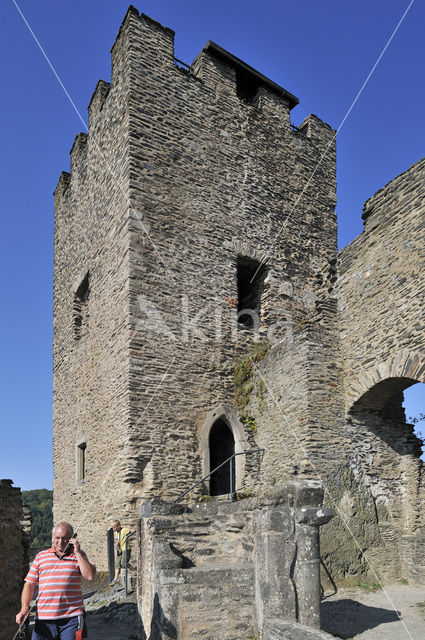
287, 555
157, 590
275, 554
307, 567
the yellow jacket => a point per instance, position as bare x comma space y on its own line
120, 537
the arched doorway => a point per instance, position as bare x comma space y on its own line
382, 479
221, 447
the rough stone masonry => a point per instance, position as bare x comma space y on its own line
201, 309
15, 528
229, 570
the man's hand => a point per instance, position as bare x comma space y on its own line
26, 597
21, 616
75, 544
88, 570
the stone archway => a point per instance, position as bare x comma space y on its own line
386, 447
379, 487
403, 364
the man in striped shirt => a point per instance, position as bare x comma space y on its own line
57, 571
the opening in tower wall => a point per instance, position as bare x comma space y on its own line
247, 85
250, 275
222, 446
380, 413
80, 308
81, 462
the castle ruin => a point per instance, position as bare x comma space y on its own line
15, 533
201, 310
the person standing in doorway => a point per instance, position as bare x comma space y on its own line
120, 536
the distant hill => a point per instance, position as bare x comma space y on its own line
40, 501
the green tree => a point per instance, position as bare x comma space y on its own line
40, 501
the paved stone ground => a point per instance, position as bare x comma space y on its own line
392, 614
355, 614
351, 613
111, 615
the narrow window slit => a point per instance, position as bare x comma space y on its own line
81, 462
80, 308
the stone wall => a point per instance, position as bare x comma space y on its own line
297, 401
228, 570
380, 290
214, 176
91, 335
15, 525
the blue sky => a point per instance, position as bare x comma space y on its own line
321, 52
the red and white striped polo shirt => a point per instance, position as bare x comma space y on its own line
59, 585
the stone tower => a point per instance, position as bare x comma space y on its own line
188, 236
201, 309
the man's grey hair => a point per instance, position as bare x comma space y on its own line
63, 524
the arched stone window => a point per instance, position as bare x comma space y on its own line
221, 446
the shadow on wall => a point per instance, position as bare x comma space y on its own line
347, 618
161, 627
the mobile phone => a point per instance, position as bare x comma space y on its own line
71, 546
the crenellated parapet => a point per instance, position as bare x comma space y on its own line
143, 53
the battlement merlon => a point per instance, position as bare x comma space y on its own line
78, 148
314, 127
131, 49
62, 185
98, 98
